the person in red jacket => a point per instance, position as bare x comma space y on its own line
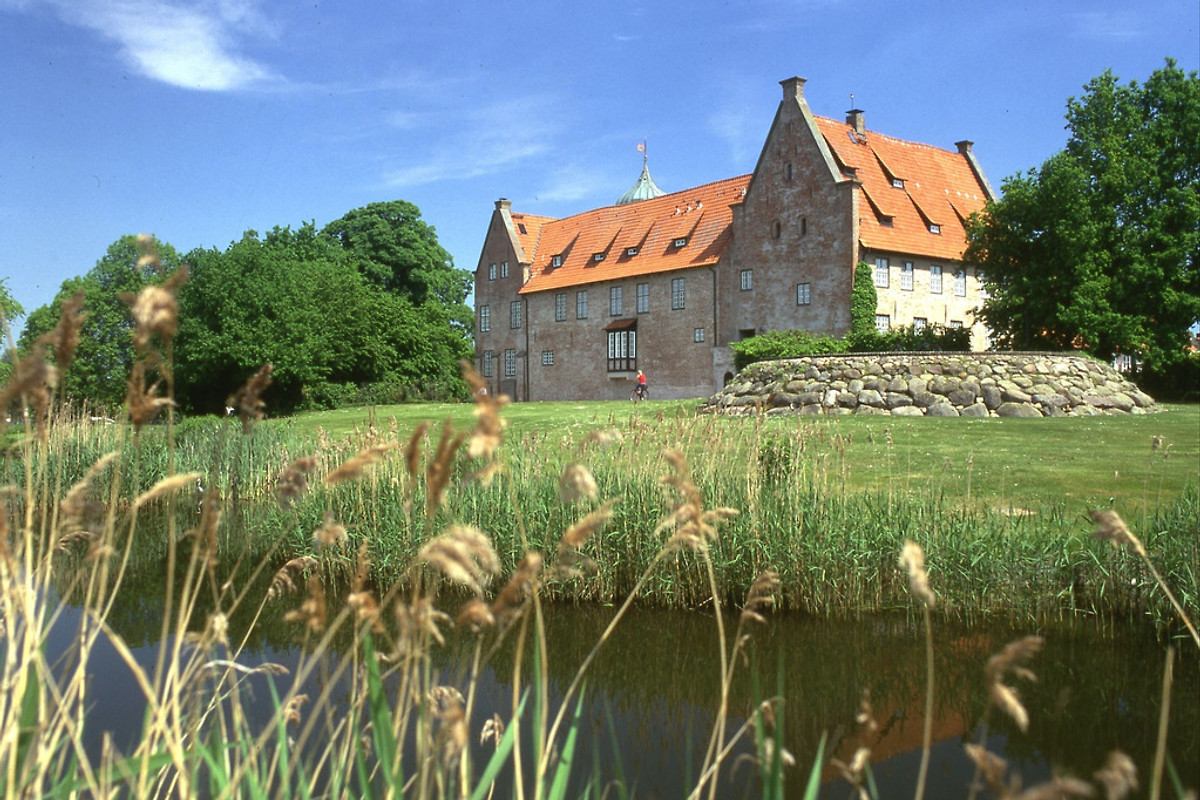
641, 391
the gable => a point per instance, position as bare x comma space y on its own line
936, 187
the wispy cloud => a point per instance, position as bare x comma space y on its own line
1109, 25
476, 139
737, 120
192, 45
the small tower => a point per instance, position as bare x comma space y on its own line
645, 188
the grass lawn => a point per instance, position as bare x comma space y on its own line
1010, 464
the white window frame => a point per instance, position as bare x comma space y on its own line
906, 276
491, 272
510, 362
678, 294
485, 319
960, 283
698, 335
547, 358
488, 357
747, 279
560, 307
616, 301
503, 269
883, 273
883, 323
581, 305
920, 323
803, 294
935, 279
514, 315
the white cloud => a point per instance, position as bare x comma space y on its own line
474, 139
194, 45
738, 121
1108, 25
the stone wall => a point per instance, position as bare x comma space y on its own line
933, 384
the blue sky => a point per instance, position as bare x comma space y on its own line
196, 121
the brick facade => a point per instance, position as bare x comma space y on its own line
671, 281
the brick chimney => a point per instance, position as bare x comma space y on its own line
793, 88
504, 204
854, 118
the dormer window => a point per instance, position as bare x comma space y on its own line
935, 228
897, 183
681, 241
885, 221
556, 261
631, 251
597, 256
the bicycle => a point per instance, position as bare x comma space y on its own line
640, 392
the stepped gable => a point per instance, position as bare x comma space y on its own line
905, 187
636, 238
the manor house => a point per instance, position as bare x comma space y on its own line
571, 309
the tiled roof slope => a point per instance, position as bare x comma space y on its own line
939, 188
528, 228
703, 215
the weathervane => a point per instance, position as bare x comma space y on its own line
641, 147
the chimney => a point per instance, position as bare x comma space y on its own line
504, 204
964, 146
793, 89
854, 118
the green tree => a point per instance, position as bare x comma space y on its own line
1100, 247
105, 353
864, 299
396, 250
8, 304
297, 299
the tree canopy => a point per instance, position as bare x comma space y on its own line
396, 250
104, 355
1099, 249
298, 300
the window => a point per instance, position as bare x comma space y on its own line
698, 335
960, 283
503, 269
804, 226
935, 228
514, 314
631, 251
803, 294
881, 273
581, 305
556, 261
678, 294
598, 256
488, 356
956, 323
615, 302
510, 362
643, 298
919, 323
935, 279
788, 171
897, 183
747, 280
906, 276
560, 307
547, 358
491, 272
883, 323
485, 319
622, 350
776, 229
681, 241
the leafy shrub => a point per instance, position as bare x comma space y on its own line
794, 344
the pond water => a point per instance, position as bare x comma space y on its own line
653, 691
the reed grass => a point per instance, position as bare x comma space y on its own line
405, 524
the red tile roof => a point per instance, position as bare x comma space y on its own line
939, 188
702, 215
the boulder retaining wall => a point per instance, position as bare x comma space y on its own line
932, 384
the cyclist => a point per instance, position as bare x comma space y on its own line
641, 391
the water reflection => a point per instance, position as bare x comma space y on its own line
653, 691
